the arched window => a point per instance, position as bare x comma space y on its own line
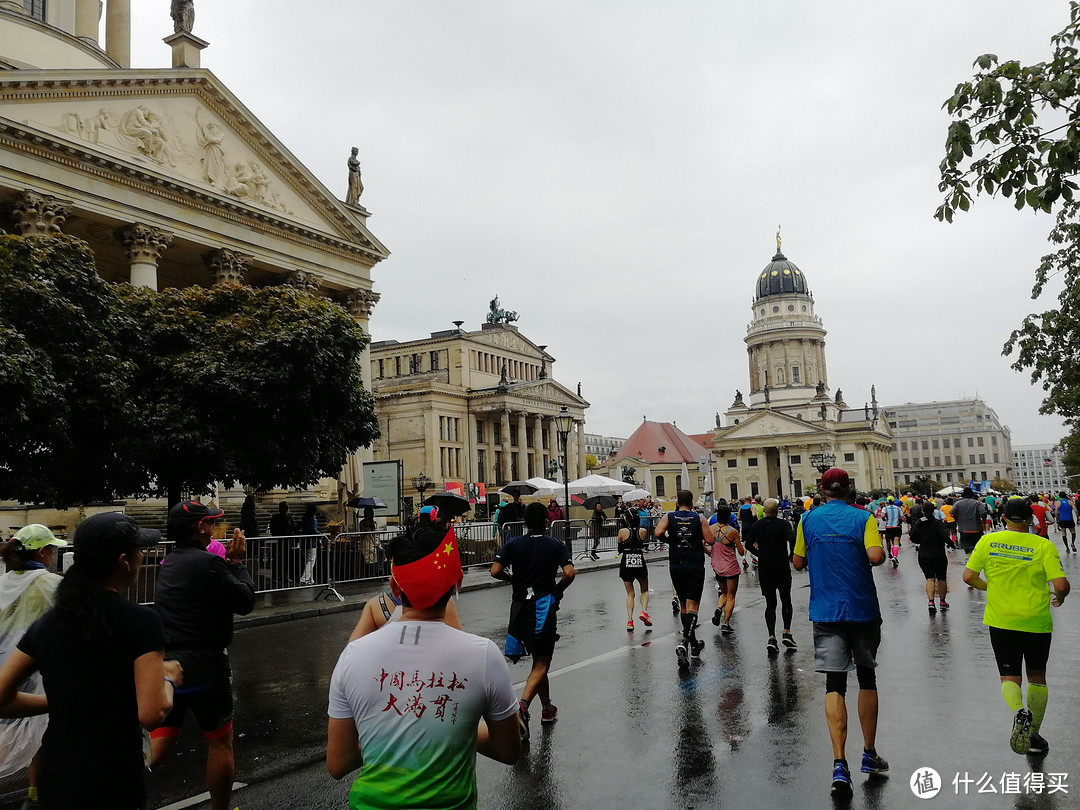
35, 9
678, 483
660, 486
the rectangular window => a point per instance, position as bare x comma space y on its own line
948, 460
971, 460
906, 464
659, 485
937, 461
414, 364
796, 459
514, 436
496, 474
948, 477
479, 434
934, 444
751, 462
732, 462
754, 488
896, 463
496, 430
907, 479
945, 443
971, 441
433, 358
980, 441
678, 482
481, 466
35, 9
982, 458
397, 366
849, 456
924, 447
996, 459
926, 461
733, 493
993, 441
795, 374
382, 372
903, 446
798, 489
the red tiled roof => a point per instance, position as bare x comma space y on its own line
646, 441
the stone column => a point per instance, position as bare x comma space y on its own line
504, 429
538, 445
523, 448
227, 266
303, 280
39, 214
785, 473
554, 448
144, 247
87, 17
118, 32
581, 450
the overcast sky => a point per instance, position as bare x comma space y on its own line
615, 172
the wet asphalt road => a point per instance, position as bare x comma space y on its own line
742, 729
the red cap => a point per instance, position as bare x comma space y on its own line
835, 479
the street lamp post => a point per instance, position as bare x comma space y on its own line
421, 483
564, 423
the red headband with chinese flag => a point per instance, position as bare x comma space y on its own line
427, 580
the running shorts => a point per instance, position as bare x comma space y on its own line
688, 582
1012, 648
935, 567
969, 540
893, 531
212, 707
841, 646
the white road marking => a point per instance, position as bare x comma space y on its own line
602, 657
194, 800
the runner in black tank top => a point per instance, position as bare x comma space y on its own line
686, 534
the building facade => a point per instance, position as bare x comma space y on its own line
472, 407
952, 442
1040, 468
603, 447
663, 460
167, 176
779, 439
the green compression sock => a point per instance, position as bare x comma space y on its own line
1013, 697
1037, 696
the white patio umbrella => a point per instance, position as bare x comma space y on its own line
598, 485
953, 490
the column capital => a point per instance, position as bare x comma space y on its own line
228, 266
360, 302
144, 243
303, 280
39, 214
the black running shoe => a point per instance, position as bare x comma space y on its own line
841, 780
675, 606
696, 647
1039, 746
682, 656
789, 641
773, 646
717, 617
1020, 739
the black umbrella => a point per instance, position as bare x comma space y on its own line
603, 501
366, 503
518, 488
449, 504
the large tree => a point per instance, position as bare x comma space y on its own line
65, 412
110, 390
1016, 132
234, 384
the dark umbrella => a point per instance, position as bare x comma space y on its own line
449, 504
366, 503
603, 501
518, 488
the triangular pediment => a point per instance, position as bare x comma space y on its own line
183, 131
768, 424
508, 340
537, 393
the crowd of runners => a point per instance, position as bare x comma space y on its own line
414, 697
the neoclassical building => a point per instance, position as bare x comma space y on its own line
766, 442
164, 172
472, 407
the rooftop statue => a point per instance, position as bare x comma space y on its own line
183, 15
499, 315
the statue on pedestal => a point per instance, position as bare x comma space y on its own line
183, 15
356, 186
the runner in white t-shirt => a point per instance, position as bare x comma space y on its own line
412, 703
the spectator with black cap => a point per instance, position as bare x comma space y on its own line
196, 595
101, 657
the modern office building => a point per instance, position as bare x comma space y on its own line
603, 447
953, 442
1040, 468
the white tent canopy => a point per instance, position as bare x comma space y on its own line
598, 485
953, 490
545, 487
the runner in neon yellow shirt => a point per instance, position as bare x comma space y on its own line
1017, 566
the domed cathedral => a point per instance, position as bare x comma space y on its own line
168, 177
778, 440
